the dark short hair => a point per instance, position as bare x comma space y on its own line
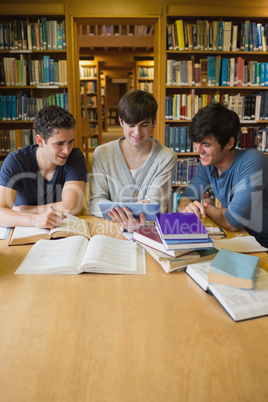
217, 120
136, 106
51, 117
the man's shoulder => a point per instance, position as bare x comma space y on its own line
109, 147
21, 155
164, 149
251, 155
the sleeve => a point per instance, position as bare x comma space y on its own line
160, 186
198, 186
99, 187
9, 171
76, 166
246, 200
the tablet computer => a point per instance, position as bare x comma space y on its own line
149, 209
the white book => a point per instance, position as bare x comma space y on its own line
240, 304
74, 255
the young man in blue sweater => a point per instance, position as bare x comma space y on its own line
238, 178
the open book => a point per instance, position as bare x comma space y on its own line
240, 304
74, 255
70, 226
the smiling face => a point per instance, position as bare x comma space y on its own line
211, 153
58, 147
138, 135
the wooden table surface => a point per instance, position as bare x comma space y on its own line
122, 338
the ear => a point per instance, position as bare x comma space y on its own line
230, 144
120, 121
39, 140
154, 123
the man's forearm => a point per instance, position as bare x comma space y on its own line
218, 216
183, 202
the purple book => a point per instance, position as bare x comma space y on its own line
180, 225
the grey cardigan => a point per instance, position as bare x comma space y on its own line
111, 179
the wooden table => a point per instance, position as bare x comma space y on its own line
92, 337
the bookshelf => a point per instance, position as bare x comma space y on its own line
205, 63
91, 107
33, 69
103, 89
145, 75
113, 116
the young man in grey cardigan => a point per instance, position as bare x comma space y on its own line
135, 168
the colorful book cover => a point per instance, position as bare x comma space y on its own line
180, 225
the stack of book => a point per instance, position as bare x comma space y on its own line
175, 239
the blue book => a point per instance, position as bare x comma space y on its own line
66, 101
188, 141
224, 72
8, 106
220, 35
186, 244
183, 139
176, 139
180, 226
3, 107
167, 135
171, 138
13, 107
233, 269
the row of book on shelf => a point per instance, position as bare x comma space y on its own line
87, 71
145, 72
21, 72
23, 107
217, 71
177, 138
42, 34
12, 140
217, 35
88, 86
185, 170
147, 86
248, 107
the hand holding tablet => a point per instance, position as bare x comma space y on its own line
148, 209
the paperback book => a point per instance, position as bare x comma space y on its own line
240, 304
233, 269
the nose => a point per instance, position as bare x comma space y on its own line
137, 130
66, 149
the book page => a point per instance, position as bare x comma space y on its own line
199, 273
61, 256
72, 224
242, 304
244, 244
109, 255
28, 231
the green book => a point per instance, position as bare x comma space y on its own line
233, 269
